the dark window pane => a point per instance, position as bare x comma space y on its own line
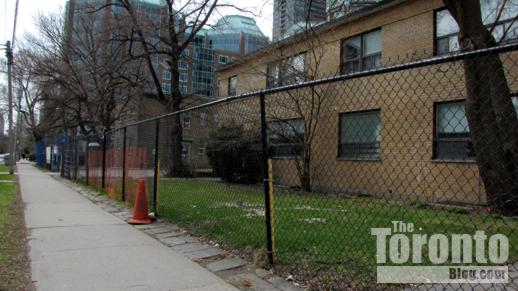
286, 137
371, 62
443, 45
360, 135
352, 48
360, 150
452, 139
350, 67
454, 149
286, 150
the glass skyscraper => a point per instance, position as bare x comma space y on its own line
238, 34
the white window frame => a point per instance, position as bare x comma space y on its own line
223, 56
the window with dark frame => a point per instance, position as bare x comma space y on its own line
361, 52
452, 140
287, 71
360, 135
286, 137
232, 82
447, 30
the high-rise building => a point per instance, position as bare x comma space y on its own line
232, 37
237, 34
339, 8
288, 15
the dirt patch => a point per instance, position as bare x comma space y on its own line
15, 264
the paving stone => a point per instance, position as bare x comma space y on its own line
283, 284
205, 253
262, 273
226, 264
188, 239
172, 241
158, 230
176, 232
148, 226
142, 227
256, 282
189, 247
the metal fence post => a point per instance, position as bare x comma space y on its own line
86, 161
103, 181
124, 165
266, 183
155, 188
76, 155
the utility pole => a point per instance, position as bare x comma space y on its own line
18, 140
9, 55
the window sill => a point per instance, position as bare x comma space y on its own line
359, 159
448, 161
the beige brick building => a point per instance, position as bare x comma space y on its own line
414, 141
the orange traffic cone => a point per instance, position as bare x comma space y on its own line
140, 214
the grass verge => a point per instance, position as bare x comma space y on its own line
325, 239
14, 263
7, 177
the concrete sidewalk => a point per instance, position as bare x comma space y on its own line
74, 245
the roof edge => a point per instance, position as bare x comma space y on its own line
319, 29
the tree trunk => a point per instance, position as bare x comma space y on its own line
489, 110
177, 167
306, 177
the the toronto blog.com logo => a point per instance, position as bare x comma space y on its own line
405, 254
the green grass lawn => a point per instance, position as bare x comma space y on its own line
4, 168
312, 232
7, 199
7, 177
14, 264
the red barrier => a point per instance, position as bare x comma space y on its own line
136, 168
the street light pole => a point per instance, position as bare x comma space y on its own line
9, 55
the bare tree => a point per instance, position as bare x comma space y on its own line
32, 90
179, 27
305, 104
95, 76
490, 113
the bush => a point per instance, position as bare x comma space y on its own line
235, 154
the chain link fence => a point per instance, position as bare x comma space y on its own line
299, 176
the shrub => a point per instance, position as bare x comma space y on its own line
235, 154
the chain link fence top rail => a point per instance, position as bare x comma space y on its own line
342, 155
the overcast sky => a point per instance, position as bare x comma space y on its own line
29, 8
